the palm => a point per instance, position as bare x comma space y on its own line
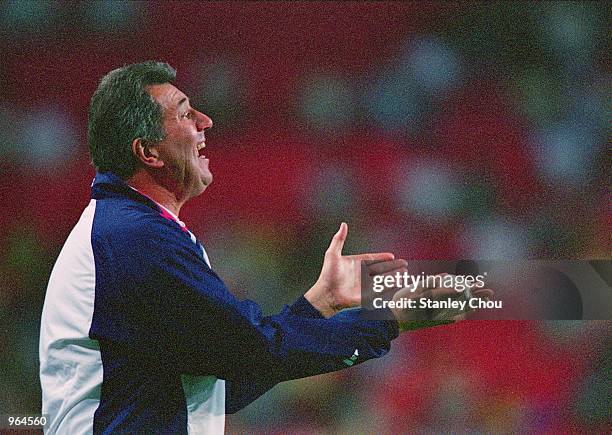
341, 275
415, 318
339, 284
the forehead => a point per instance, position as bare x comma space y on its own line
166, 94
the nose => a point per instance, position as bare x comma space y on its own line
203, 122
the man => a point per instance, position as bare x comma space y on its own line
138, 333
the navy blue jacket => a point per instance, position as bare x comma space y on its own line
160, 313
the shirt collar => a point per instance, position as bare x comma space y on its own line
162, 208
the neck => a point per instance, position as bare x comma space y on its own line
147, 185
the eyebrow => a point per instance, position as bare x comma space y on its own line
182, 101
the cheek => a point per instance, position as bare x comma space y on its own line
183, 152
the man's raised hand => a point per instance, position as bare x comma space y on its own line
415, 318
339, 284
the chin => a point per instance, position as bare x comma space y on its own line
197, 191
204, 183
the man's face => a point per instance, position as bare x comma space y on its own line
182, 149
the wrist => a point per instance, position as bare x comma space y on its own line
316, 296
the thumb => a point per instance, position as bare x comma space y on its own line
335, 247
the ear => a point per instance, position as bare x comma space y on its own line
147, 155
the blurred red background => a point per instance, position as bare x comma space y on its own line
437, 130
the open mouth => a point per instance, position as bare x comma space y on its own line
201, 147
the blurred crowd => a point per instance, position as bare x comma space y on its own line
436, 130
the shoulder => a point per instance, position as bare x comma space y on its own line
128, 225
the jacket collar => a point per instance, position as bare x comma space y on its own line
108, 185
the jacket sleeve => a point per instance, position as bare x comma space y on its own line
163, 298
240, 393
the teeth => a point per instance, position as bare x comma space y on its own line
201, 145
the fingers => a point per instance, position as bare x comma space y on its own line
428, 292
377, 257
430, 284
438, 293
367, 262
384, 267
337, 243
405, 292
483, 293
